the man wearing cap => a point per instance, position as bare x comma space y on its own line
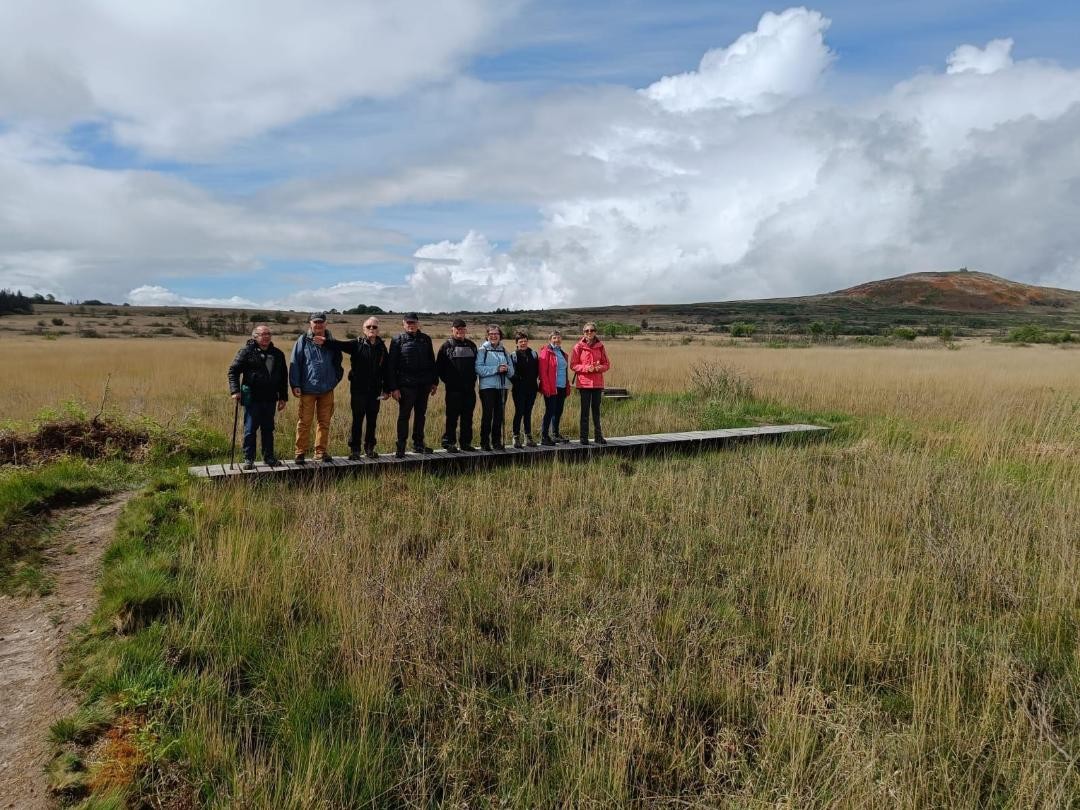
411, 379
314, 372
456, 367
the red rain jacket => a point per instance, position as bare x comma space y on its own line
584, 356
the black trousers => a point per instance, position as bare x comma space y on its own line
553, 408
459, 415
259, 416
413, 401
590, 402
365, 408
523, 406
492, 415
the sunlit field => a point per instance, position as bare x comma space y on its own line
885, 618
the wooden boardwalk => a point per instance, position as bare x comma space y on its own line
652, 444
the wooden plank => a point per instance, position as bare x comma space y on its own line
636, 445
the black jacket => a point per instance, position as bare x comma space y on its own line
411, 363
456, 364
367, 374
526, 371
262, 370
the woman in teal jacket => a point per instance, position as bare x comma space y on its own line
494, 368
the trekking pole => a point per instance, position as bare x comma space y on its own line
235, 419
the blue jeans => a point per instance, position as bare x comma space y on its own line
259, 416
553, 408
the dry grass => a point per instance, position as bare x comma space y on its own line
888, 619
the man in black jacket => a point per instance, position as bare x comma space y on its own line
410, 379
456, 367
260, 367
367, 385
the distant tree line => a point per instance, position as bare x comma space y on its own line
15, 303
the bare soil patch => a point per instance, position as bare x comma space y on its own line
32, 636
90, 439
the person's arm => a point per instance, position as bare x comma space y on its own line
482, 367
283, 381
509, 366
434, 372
575, 361
392, 360
348, 347
443, 364
295, 366
234, 373
604, 364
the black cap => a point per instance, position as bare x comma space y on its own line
458, 323
317, 316
411, 316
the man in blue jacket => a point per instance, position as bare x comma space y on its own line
314, 372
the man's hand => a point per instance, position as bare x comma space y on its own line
318, 340
236, 397
396, 394
434, 388
281, 404
296, 393
384, 396
502, 368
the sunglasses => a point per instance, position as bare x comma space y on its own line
590, 330
371, 327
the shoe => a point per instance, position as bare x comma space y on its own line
485, 447
451, 448
399, 453
601, 440
272, 462
468, 448
249, 464
371, 453
517, 441
584, 440
559, 438
498, 447
325, 458
529, 442
300, 461
355, 455
547, 441
422, 448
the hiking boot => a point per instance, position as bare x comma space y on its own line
355, 455
529, 442
272, 462
468, 448
422, 448
559, 438
300, 460
600, 439
547, 441
451, 448
584, 440
399, 453
325, 458
517, 441
249, 464
498, 447
485, 447
371, 453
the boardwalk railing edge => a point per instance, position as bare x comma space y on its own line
440, 460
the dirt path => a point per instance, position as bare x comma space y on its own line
32, 636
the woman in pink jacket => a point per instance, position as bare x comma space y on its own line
589, 361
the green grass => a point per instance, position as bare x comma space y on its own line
27, 495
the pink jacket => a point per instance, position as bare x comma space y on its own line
549, 367
584, 356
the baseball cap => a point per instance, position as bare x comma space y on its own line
317, 316
411, 316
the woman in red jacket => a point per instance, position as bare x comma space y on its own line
589, 361
554, 387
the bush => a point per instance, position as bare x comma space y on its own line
904, 333
57, 321
946, 334
1033, 333
717, 382
742, 329
616, 329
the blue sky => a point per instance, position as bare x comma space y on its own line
497, 142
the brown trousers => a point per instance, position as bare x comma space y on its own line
321, 407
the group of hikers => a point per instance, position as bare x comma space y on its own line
409, 372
